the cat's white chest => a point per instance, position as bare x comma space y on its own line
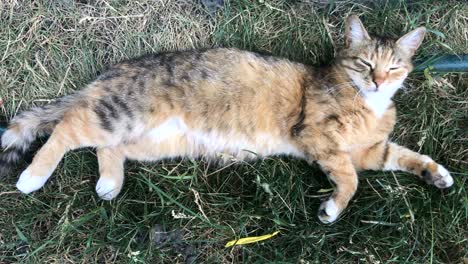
378, 103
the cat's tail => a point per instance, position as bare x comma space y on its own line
26, 127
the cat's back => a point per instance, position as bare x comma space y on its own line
228, 68
204, 80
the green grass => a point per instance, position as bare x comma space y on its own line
52, 48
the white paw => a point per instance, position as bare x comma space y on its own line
28, 183
107, 188
444, 180
328, 211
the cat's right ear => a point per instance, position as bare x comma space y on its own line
412, 40
355, 32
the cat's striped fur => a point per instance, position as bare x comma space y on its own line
225, 103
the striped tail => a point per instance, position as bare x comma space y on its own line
26, 127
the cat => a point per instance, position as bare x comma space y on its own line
226, 102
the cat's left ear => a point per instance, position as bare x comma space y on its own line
412, 40
355, 32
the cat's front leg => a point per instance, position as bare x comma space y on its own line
401, 158
390, 156
340, 170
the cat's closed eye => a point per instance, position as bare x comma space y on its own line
367, 63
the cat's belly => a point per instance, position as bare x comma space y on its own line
173, 138
239, 145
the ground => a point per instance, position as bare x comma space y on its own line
186, 210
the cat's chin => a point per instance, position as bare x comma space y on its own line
374, 90
366, 92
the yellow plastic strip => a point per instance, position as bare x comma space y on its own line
248, 240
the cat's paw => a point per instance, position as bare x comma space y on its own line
108, 188
328, 211
438, 176
28, 183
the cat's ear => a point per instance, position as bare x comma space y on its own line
355, 32
412, 40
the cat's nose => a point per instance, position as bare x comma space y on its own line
378, 81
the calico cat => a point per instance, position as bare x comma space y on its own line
227, 102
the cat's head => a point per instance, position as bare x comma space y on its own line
374, 64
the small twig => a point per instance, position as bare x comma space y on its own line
404, 198
372, 187
379, 223
62, 83
220, 169
274, 8
41, 65
5, 54
86, 18
3, 193
197, 201
180, 215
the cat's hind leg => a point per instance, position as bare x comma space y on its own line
111, 172
76, 130
46, 160
44, 163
